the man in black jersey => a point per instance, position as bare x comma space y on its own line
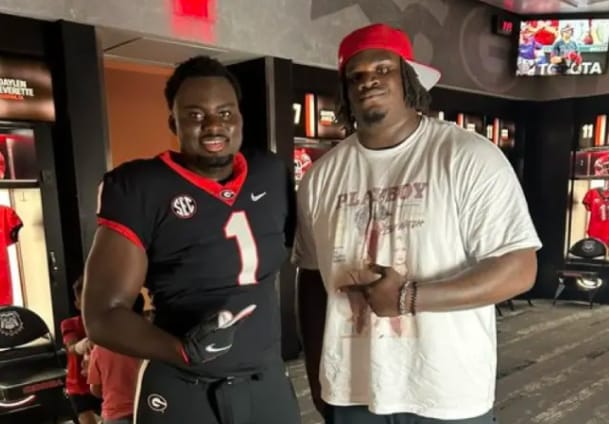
205, 230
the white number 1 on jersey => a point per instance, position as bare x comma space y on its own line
238, 227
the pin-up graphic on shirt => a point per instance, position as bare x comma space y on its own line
383, 226
400, 326
368, 221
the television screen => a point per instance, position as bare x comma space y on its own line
562, 47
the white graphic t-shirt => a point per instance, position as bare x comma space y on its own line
432, 206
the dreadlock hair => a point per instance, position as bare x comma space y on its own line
415, 95
198, 66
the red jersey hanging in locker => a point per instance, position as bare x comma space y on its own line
10, 224
596, 201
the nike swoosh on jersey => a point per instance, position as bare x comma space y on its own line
256, 197
213, 349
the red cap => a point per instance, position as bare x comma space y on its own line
385, 37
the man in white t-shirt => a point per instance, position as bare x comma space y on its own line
409, 232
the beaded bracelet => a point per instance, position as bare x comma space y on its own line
406, 303
413, 298
403, 298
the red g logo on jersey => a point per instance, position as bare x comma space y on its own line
184, 207
227, 194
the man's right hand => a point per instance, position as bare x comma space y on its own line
213, 337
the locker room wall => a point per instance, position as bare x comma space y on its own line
137, 112
70, 51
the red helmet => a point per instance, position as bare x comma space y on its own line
601, 165
302, 163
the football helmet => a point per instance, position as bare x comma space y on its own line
601, 165
302, 163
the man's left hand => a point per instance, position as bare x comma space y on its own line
382, 294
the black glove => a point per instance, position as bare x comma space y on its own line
213, 337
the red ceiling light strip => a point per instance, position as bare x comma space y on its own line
193, 19
200, 9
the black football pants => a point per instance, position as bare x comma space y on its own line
168, 395
361, 415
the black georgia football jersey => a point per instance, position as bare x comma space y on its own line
209, 246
